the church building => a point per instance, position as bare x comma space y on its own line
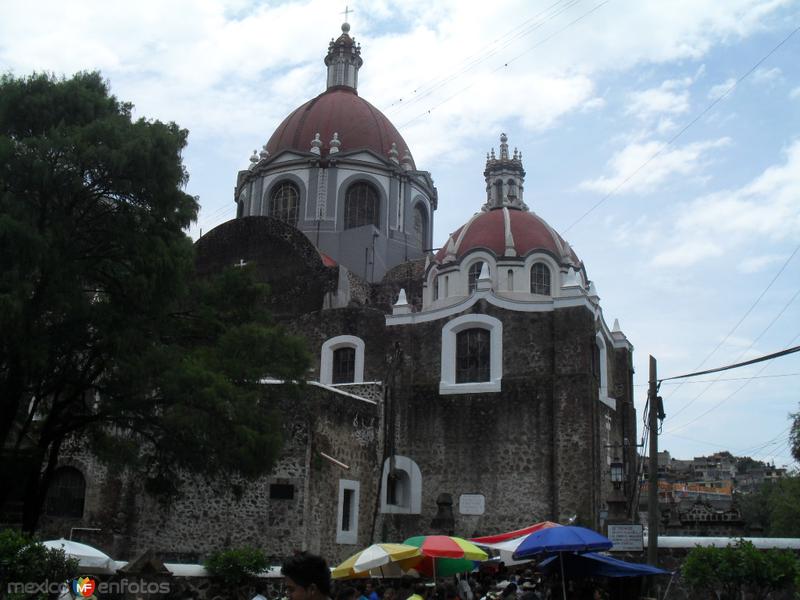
471, 390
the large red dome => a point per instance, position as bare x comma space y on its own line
499, 229
339, 110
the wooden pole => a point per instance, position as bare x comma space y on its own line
652, 470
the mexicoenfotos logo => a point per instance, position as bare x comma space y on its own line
83, 586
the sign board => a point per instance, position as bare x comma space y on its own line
472, 504
626, 538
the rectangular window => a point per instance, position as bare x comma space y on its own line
347, 517
347, 507
281, 491
344, 365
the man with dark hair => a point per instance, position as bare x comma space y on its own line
307, 577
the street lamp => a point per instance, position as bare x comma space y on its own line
617, 473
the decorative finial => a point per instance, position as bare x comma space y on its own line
254, 159
316, 144
493, 157
407, 161
516, 154
401, 307
393, 154
334, 144
503, 146
264, 154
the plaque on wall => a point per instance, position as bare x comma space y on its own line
472, 504
626, 538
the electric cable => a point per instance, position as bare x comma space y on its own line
681, 132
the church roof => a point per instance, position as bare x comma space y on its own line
506, 232
360, 126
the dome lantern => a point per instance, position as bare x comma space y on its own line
505, 179
343, 60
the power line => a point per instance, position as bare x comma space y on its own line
731, 395
681, 132
481, 56
725, 379
737, 365
740, 321
505, 65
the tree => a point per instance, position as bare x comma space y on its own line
29, 565
738, 569
794, 435
108, 334
775, 506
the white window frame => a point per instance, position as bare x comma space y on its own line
448, 384
351, 536
410, 468
602, 352
326, 358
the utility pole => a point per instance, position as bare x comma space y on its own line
652, 470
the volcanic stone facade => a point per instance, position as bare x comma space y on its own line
408, 444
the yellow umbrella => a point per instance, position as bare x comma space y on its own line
378, 560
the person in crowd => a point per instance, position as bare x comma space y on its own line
261, 591
420, 592
463, 588
389, 593
307, 577
347, 593
370, 592
509, 592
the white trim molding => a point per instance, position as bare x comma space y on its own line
448, 384
603, 366
326, 358
411, 501
350, 535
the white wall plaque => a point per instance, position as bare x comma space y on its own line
472, 504
626, 538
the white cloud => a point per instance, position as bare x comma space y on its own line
762, 76
753, 264
718, 90
795, 93
656, 101
688, 253
765, 210
676, 160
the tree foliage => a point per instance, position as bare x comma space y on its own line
775, 506
235, 568
24, 560
794, 435
738, 569
107, 331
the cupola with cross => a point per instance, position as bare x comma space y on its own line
343, 60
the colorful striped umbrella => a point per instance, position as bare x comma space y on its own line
379, 560
446, 555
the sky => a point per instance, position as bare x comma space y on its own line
661, 139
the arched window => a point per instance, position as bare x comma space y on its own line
66, 494
473, 355
342, 360
435, 287
361, 206
283, 203
498, 192
510, 280
512, 189
540, 279
419, 227
474, 275
344, 365
401, 486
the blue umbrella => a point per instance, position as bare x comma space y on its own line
561, 539
558, 540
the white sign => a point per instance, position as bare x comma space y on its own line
626, 538
472, 504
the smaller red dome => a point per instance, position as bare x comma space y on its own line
501, 228
338, 110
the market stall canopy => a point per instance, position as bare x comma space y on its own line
591, 564
88, 557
